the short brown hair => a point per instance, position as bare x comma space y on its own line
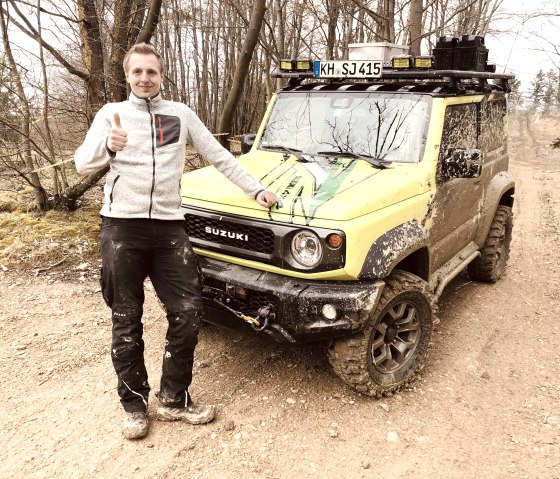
143, 49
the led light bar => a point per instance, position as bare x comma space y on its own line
296, 65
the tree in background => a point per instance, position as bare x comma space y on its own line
9, 115
550, 92
536, 92
516, 98
87, 41
242, 67
21, 151
545, 92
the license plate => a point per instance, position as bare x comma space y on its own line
348, 69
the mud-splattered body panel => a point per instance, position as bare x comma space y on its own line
369, 168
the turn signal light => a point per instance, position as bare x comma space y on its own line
334, 240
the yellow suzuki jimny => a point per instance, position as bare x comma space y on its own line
391, 174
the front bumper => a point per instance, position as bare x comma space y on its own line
296, 303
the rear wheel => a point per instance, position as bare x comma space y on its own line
491, 263
388, 352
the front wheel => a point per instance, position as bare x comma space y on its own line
388, 352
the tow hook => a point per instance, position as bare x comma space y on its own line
263, 315
262, 321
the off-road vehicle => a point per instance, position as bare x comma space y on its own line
392, 179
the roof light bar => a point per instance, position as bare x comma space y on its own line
401, 62
424, 62
296, 65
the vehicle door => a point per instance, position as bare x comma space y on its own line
457, 202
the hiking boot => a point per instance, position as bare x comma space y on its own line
193, 414
135, 425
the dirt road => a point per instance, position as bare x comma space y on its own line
487, 403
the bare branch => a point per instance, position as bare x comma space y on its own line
31, 32
43, 10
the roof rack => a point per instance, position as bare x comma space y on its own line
456, 80
457, 64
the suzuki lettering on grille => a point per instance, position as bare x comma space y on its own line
226, 233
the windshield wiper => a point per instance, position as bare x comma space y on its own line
284, 149
350, 154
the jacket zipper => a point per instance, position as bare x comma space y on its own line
153, 133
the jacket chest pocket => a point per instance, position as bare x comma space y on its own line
167, 130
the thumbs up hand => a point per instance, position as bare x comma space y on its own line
117, 136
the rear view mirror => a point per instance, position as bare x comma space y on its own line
247, 142
462, 163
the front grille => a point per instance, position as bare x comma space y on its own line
267, 242
228, 233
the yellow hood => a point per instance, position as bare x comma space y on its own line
329, 188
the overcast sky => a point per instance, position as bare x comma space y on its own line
523, 44
520, 42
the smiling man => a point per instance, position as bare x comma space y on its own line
143, 141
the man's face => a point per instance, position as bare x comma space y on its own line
144, 75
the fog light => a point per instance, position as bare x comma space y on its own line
329, 312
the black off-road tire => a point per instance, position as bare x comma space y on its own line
491, 263
386, 355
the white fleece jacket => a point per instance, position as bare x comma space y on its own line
144, 178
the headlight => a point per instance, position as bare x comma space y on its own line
307, 249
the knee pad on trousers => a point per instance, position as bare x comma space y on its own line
128, 351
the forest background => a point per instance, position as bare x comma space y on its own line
61, 60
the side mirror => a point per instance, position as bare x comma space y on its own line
462, 163
247, 142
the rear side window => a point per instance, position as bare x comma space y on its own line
460, 129
492, 130
474, 125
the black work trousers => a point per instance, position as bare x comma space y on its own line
131, 250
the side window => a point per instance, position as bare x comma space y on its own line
459, 129
492, 132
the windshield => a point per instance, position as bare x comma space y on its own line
385, 127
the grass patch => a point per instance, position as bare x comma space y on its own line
32, 240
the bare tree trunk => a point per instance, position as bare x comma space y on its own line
333, 10
387, 26
280, 18
92, 54
414, 26
182, 72
117, 83
128, 18
60, 183
151, 22
242, 68
31, 176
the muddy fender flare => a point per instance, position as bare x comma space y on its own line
391, 248
501, 185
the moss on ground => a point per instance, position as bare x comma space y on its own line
31, 240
